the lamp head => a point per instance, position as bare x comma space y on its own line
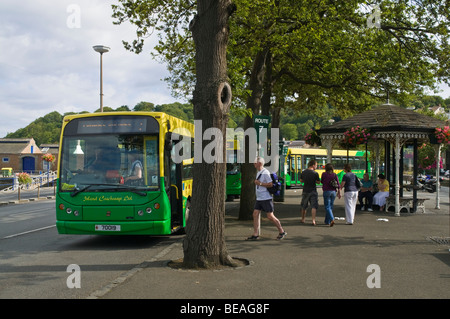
101, 49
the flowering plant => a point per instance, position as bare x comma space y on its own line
443, 135
427, 157
24, 178
48, 157
356, 135
312, 138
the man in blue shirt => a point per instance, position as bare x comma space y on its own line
366, 192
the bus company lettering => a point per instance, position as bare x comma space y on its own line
106, 198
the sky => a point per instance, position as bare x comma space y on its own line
47, 62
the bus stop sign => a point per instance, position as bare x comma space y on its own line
260, 122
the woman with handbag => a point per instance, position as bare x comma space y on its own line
330, 185
349, 184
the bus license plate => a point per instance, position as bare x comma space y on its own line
107, 227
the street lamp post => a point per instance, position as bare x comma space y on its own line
101, 49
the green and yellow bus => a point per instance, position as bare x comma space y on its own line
297, 160
117, 176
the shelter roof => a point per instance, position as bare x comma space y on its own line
387, 117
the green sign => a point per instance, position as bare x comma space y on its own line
260, 122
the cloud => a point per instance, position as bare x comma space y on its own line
47, 62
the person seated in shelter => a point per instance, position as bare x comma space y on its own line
366, 192
383, 187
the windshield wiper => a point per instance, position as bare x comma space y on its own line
79, 190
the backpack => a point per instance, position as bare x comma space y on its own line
276, 185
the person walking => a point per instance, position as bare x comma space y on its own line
330, 184
264, 201
350, 193
310, 178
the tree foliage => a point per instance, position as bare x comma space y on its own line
319, 51
44, 130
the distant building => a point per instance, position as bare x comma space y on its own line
437, 109
23, 155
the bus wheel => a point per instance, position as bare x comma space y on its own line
229, 198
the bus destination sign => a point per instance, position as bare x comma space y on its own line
119, 125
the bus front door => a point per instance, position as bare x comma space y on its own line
173, 185
176, 195
298, 169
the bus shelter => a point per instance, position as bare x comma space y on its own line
396, 127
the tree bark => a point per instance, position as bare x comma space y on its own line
204, 243
248, 171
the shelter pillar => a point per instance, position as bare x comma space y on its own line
437, 149
328, 143
376, 150
397, 147
415, 174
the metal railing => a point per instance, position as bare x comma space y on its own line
39, 181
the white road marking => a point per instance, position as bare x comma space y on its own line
30, 231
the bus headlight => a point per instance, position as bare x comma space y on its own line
140, 212
148, 210
69, 210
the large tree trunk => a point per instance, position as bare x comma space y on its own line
204, 244
248, 171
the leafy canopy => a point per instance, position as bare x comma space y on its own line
322, 52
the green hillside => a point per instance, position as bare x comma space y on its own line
47, 129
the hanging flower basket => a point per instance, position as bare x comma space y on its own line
48, 157
312, 138
441, 135
356, 136
427, 157
24, 178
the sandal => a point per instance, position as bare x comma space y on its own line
281, 235
253, 238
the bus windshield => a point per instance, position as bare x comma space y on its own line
109, 162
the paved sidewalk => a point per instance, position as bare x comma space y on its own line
313, 261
